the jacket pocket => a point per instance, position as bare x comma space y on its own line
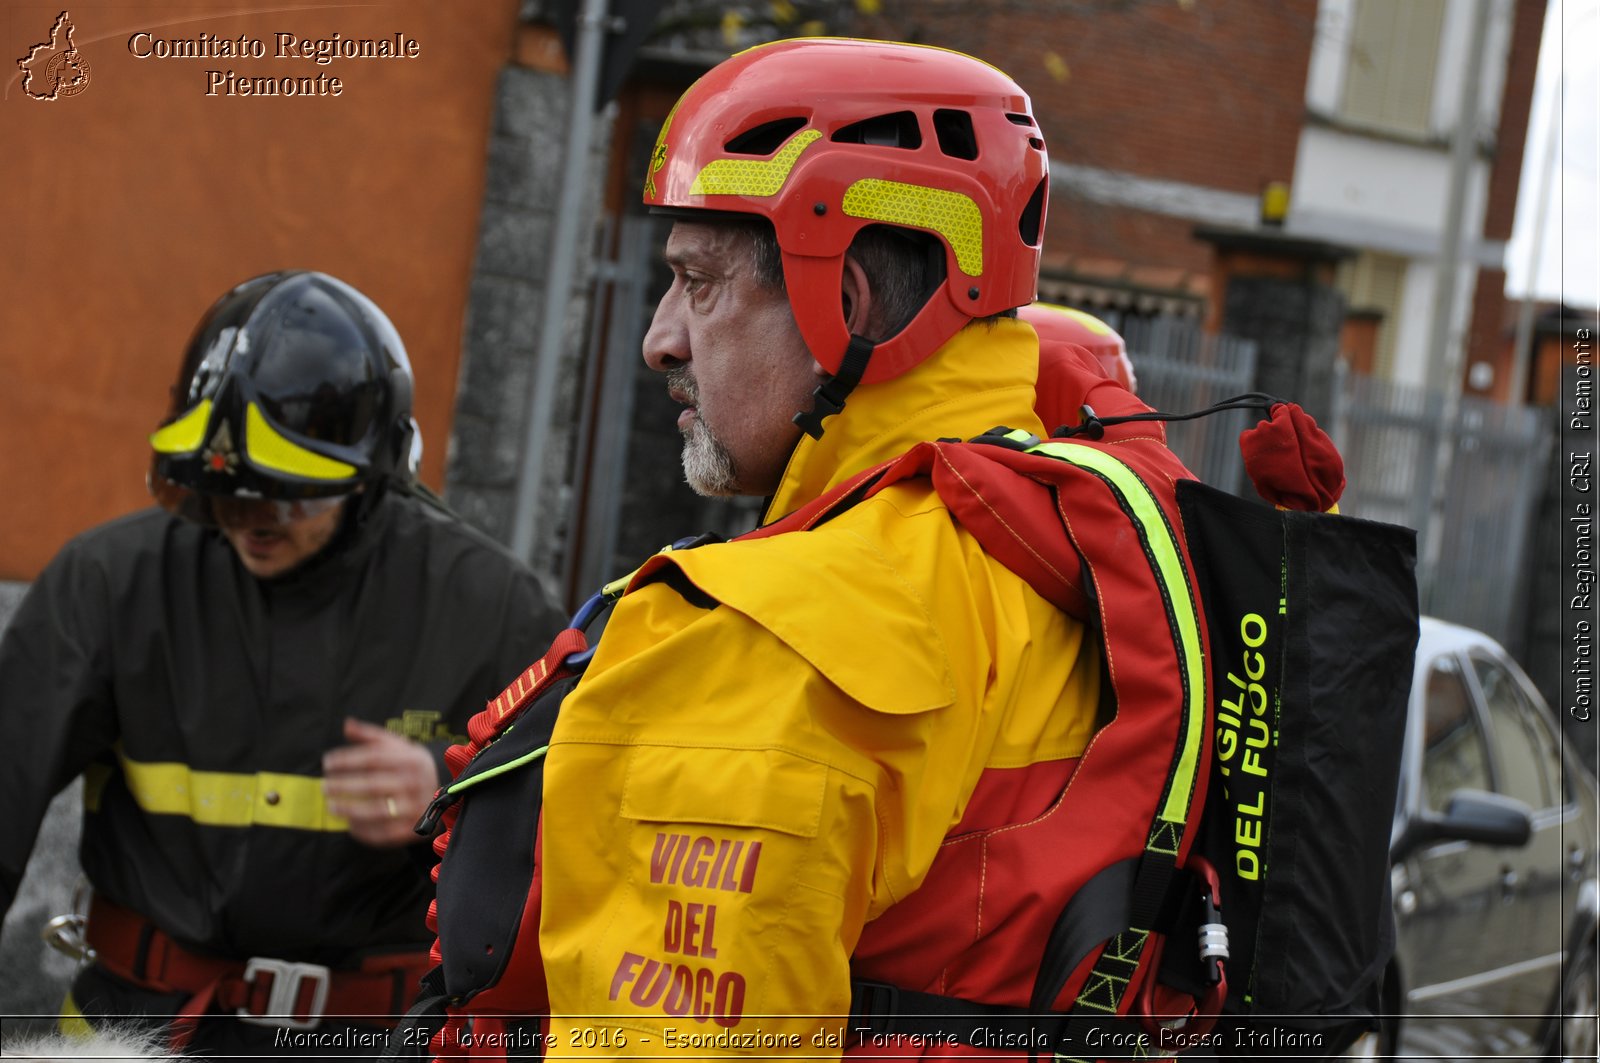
768, 789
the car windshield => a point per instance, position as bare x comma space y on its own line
1454, 753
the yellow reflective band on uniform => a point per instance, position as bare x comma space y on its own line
1168, 563
184, 435
72, 1023
231, 799
950, 214
272, 451
752, 177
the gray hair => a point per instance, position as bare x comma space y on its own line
902, 265
109, 1045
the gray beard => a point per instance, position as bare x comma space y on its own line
707, 465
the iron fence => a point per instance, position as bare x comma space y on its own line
1181, 370
1473, 537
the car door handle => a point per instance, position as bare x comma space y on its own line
1576, 858
1508, 883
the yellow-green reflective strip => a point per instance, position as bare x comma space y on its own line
510, 765
951, 214
71, 1024
272, 451
1170, 571
1087, 320
231, 799
186, 433
752, 177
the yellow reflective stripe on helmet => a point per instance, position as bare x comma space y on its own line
950, 214
1167, 561
186, 433
270, 450
1088, 321
752, 177
1082, 317
231, 799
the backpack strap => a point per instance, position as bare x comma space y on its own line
1097, 913
1183, 788
1055, 513
416, 1029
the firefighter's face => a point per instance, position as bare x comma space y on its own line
271, 544
734, 358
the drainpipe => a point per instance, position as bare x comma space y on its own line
590, 35
1444, 357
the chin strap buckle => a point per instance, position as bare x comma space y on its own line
823, 406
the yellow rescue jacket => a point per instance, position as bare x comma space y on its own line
764, 759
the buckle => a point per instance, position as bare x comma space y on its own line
874, 1006
66, 934
287, 979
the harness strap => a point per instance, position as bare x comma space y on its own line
887, 1011
416, 1029
1104, 991
1097, 912
1120, 907
134, 949
1139, 909
887, 1015
1121, 895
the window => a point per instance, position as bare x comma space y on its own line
1454, 754
1394, 48
1526, 754
1374, 284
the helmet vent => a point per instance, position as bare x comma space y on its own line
898, 130
1020, 119
956, 138
1029, 224
764, 139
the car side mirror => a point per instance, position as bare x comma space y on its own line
1470, 816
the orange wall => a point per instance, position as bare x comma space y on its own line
125, 209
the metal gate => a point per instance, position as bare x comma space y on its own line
1473, 548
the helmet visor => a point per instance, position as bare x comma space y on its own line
235, 511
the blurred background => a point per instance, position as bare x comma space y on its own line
1383, 209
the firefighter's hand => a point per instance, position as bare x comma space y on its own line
381, 783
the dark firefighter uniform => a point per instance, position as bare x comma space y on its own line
198, 702
197, 688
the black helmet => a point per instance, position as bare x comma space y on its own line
295, 386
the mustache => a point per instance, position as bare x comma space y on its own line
681, 379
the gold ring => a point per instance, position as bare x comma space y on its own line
389, 805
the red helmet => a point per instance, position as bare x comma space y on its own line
1057, 325
826, 136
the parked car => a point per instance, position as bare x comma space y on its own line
1493, 866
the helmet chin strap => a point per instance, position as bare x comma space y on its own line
830, 396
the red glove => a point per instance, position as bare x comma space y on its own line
1292, 462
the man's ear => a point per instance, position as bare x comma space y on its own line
856, 293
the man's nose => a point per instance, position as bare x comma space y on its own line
666, 340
